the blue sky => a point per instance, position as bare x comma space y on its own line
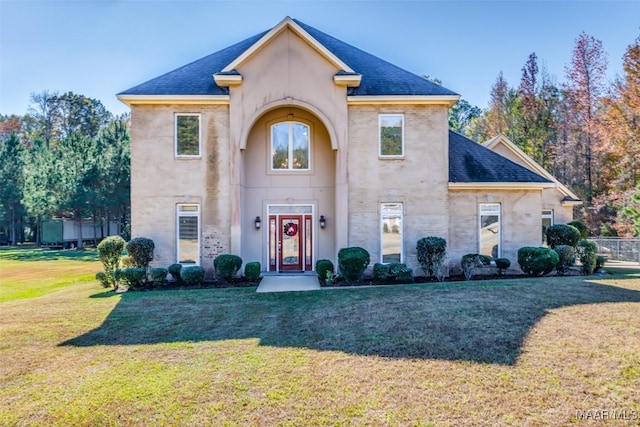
101, 47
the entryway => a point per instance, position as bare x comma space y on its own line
290, 238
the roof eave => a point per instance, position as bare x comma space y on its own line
500, 185
447, 100
131, 100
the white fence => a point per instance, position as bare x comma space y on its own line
618, 249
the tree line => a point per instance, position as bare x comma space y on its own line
66, 157
584, 130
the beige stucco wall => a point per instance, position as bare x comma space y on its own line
288, 73
261, 186
159, 180
520, 221
419, 180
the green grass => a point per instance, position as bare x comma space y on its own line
30, 273
508, 352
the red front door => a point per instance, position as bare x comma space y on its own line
290, 242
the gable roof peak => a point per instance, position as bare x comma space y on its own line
293, 25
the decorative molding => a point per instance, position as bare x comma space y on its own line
447, 100
500, 185
173, 99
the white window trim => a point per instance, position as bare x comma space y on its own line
290, 147
175, 136
547, 214
387, 156
499, 215
401, 230
180, 214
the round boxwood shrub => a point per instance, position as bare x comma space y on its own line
399, 273
431, 253
352, 262
252, 271
140, 249
193, 276
134, 277
158, 275
174, 270
126, 261
588, 254
502, 264
536, 261
566, 258
324, 266
600, 260
562, 234
582, 228
227, 266
380, 272
109, 251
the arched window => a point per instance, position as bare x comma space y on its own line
290, 146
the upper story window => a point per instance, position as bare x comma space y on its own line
290, 143
187, 135
391, 135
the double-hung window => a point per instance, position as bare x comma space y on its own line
187, 135
490, 229
188, 234
391, 135
391, 232
290, 146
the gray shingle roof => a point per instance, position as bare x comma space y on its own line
471, 162
195, 78
379, 77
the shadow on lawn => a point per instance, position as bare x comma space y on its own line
470, 321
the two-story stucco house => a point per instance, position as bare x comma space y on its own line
292, 144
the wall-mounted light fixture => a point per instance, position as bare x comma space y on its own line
323, 222
258, 223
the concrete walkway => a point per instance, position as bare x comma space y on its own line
286, 283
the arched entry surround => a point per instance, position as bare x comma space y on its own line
264, 190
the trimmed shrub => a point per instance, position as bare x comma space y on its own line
134, 277
101, 277
400, 273
227, 266
174, 270
158, 275
600, 260
471, 262
502, 264
140, 250
394, 272
431, 252
562, 234
566, 258
537, 261
324, 266
588, 254
380, 272
109, 251
582, 228
126, 261
193, 276
252, 271
352, 262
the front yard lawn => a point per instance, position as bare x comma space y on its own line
509, 352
